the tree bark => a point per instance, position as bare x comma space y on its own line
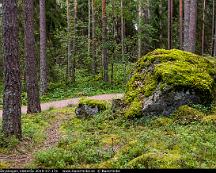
12, 82
203, 27
31, 68
161, 24
89, 28
104, 41
43, 63
139, 29
170, 16
186, 24
73, 66
114, 38
213, 28
69, 44
192, 27
180, 24
122, 38
94, 63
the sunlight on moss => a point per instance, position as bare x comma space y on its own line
174, 68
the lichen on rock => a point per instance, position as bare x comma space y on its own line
164, 80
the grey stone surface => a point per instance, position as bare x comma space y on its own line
85, 111
167, 101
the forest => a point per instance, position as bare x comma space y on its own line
107, 84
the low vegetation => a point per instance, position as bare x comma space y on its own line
112, 141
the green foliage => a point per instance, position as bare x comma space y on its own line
134, 110
7, 143
150, 142
102, 105
185, 115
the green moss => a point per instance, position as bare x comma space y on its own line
174, 68
161, 121
209, 118
185, 115
134, 110
155, 160
102, 105
4, 165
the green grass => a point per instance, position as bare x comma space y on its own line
108, 141
85, 85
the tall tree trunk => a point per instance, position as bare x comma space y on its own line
186, 24
43, 63
12, 82
89, 28
31, 68
161, 24
114, 38
213, 28
104, 40
69, 63
180, 24
170, 16
203, 27
192, 28
94, 60
122, 38
214, 50
139, 29
73, 66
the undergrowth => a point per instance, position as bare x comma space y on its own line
112, 141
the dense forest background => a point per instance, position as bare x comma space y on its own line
133, 29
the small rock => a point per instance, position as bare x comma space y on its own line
85, 111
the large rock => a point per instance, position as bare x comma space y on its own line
164, 80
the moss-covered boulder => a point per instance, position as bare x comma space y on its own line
89, 107
164, 80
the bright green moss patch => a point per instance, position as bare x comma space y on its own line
102, 105
156, 160
173, 68
185, 114
134, 110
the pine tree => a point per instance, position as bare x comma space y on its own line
31, 68
104, 42
12, 82
43, 61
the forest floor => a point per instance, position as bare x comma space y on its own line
22, 154
68, 102
56, 138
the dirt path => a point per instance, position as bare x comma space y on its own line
22, 156
73, 101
